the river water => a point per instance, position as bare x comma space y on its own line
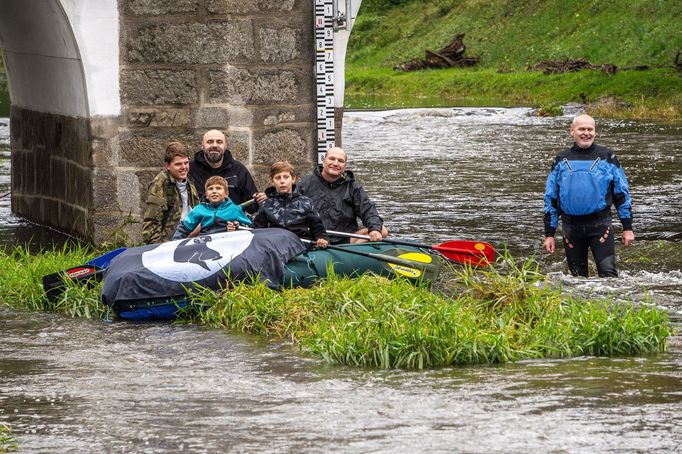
436, 174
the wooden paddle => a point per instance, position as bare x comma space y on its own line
475, 253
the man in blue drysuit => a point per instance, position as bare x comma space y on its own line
584, 182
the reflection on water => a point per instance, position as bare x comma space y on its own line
80, 386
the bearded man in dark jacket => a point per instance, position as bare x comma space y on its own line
341, 200
215, 159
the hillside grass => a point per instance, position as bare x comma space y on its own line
511, 36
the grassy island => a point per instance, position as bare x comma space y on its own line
506, 313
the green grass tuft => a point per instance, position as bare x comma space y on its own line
495, 316
7, 441
21, 281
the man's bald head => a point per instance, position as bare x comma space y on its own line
582, 118
338, 150
583, 130
334, 164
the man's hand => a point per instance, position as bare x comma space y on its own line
549, 244
375, 236
628, 237
322, 243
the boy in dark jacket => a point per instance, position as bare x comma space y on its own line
287, 208
219, 214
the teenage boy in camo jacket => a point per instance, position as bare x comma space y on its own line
170, 196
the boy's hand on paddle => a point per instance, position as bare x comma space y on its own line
232, 226
260, 197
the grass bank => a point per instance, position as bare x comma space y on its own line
21, 282
509, 37
507, 313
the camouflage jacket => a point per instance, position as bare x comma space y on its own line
164, 207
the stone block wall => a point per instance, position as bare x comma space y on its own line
51, 169
245, 67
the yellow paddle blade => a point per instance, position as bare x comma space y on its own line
409, 271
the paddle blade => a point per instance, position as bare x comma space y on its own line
475, 253
421, 266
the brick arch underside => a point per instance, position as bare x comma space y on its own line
49, 127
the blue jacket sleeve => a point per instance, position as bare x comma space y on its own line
551, 202
241, 216
621, 197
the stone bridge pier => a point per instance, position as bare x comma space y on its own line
98, 88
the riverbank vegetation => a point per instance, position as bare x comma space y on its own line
640, 38
21, 281
506, 313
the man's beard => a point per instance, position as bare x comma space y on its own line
214, 156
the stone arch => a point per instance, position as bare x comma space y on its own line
55, 87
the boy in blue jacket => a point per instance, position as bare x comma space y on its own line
219, 214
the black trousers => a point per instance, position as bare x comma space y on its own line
596, 235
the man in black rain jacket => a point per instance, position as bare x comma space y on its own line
341, 200
215, 159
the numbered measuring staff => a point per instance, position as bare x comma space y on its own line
324, 69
